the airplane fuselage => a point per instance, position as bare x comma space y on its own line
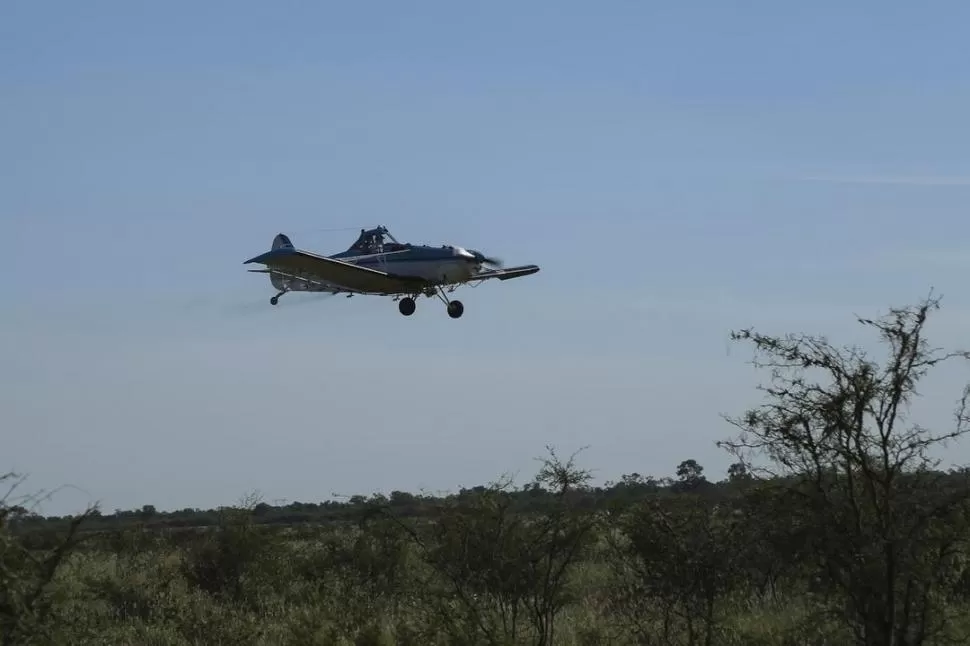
442, 265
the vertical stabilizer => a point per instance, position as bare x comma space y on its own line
281, 241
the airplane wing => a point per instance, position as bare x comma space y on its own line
506, 274
313, 267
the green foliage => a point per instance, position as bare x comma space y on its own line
677, 563
26, 574
235, 559
506, 568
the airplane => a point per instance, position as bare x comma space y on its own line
377, 264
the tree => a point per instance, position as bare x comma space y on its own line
560, 537
505, 571
690, 476
676, 562
737, 472
835, 427
27, 572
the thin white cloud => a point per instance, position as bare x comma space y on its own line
891, 180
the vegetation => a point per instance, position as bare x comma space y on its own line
834, 526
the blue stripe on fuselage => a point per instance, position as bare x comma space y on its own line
412, 254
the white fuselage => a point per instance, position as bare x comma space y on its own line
447, 266
440, 271
443, 265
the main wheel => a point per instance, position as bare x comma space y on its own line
455, 309
406, 306
274, 300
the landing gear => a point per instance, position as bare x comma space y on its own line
455, 308
406, 306
276, 299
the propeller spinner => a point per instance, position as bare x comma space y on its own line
486, 260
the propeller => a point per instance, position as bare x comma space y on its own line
486, 260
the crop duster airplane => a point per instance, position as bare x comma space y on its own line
377, 264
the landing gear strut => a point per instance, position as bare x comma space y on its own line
276, 299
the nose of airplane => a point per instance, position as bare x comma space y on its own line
464, 253
481, 258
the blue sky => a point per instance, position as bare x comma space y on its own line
678, 170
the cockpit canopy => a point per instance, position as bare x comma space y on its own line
377, 240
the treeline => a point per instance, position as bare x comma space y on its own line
531, 497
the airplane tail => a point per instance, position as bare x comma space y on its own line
281, 241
